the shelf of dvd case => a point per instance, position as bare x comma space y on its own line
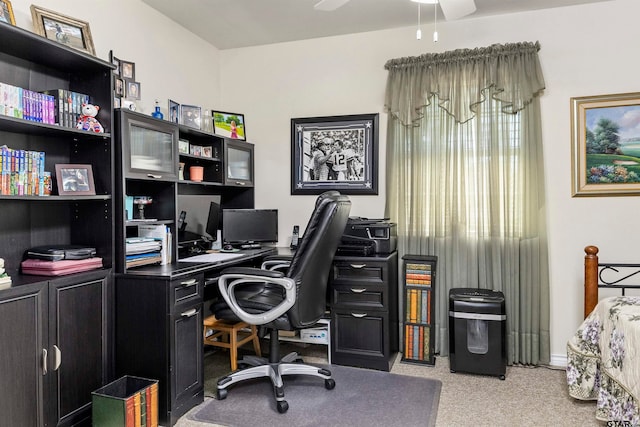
419, 274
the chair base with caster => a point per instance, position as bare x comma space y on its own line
275, 370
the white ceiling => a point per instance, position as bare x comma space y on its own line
231, 24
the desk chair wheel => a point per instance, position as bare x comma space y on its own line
283, 406
221, 394
329, 384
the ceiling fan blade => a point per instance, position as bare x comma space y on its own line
329, 5
454, 9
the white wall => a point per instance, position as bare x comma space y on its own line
585, 50
171, 62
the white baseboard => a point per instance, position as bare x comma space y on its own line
558, 360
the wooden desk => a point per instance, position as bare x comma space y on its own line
159, 322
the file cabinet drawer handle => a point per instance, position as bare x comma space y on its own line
358, 266
150, 175
358, 290
57, 358
189, 313
44, 361
359, 315
189, 282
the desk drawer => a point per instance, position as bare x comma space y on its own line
359, 295
186, 290
358, 271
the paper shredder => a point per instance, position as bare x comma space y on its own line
477, 331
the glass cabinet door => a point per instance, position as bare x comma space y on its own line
238, 163
150, 147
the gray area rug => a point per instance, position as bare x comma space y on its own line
362, 397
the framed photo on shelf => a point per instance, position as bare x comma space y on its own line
230, 125
183, 146
6, 12
190, 116
174, 112
335, 153
75, 180
605, 145
207, 151
63, 29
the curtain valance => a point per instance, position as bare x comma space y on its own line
460, 79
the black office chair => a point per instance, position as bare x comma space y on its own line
289, 301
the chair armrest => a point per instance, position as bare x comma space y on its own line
276, 262
235, 276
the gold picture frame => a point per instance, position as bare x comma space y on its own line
605, 145
63, 29
6, 12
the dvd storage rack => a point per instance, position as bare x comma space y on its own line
419, 274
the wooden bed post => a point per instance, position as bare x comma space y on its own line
590, 279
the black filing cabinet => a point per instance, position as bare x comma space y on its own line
364, 311
159, 336
477, 331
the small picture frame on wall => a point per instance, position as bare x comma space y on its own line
75, 180
127, 70
119, 87
133, 90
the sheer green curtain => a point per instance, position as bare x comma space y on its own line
465, 181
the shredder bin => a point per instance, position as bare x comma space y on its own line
127, 401
477, 331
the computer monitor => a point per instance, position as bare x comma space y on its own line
213, 221
199, 212
247, 226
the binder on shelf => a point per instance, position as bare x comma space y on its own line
163, 235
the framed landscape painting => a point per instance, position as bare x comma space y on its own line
606, 145
335, 153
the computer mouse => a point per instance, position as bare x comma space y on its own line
227, 248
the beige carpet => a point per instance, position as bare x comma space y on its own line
528, 397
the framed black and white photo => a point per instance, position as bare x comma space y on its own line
335, 153
190, 116
75, 180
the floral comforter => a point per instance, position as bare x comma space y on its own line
603, 360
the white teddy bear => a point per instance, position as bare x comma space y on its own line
88, 121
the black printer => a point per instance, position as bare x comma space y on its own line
365, 237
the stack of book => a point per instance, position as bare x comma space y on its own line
143, 251
22, 172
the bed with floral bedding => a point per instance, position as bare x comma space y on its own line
603, 356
